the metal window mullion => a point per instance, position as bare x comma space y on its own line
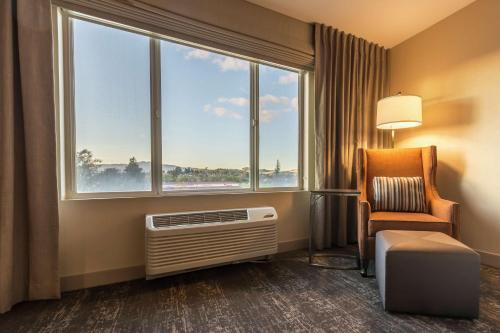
254, 126
155, 102
301, 143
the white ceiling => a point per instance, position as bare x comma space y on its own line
386, 22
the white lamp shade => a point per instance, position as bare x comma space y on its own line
399, 111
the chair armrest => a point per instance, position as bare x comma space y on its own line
448, 211
364, 211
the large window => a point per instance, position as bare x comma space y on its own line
148, 115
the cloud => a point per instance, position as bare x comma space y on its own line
272, 106
220, 111
287, 102
266, 116
237, 101
288, 78
226, 63
272, 99
197, 54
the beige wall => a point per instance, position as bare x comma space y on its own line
455, 67
108, 234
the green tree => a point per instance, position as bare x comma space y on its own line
110, 179
277, 169
135, 178
87, 168
133, 170
111, 172
176, 172
85, 159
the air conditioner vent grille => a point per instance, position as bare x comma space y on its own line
163, 221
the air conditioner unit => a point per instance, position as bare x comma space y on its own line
191, 240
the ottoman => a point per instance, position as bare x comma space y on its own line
425, 272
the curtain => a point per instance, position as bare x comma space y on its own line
350, 77
28, 183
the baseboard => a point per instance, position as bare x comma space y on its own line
94, 279
297, 244
489, 258
101, 278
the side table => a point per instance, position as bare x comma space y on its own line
315, 196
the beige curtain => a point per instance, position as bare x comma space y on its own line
28, 186
350, 77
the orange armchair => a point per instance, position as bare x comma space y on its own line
442, 215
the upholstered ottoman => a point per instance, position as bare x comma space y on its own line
426, 272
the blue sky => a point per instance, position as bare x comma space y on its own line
205, 103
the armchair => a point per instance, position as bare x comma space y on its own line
442, 215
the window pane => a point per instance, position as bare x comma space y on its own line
205, 119
112, 109
278, 127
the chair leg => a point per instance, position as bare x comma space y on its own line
364, 267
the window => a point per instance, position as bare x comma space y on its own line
205, 119
111, 109
278, 127
150, 115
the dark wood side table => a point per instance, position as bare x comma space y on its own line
315, 196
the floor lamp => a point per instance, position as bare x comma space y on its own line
399, 111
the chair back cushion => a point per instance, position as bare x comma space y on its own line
399, 194
403, 162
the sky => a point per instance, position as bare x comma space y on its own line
205, 103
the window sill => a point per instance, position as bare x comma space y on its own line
142, 195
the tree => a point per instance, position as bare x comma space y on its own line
133, 170
111, 172
277, 169
135, 178
109, 178
85, 160
87, 167
176, 172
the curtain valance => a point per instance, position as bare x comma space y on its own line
145, 16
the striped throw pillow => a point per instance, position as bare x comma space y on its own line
399, 194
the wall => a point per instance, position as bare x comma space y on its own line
102, 240
106, 236
455, 67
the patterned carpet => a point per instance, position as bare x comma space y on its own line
285, 295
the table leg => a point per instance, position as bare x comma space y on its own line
312, 212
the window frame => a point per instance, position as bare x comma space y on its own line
65, 88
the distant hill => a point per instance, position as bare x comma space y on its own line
146, 166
